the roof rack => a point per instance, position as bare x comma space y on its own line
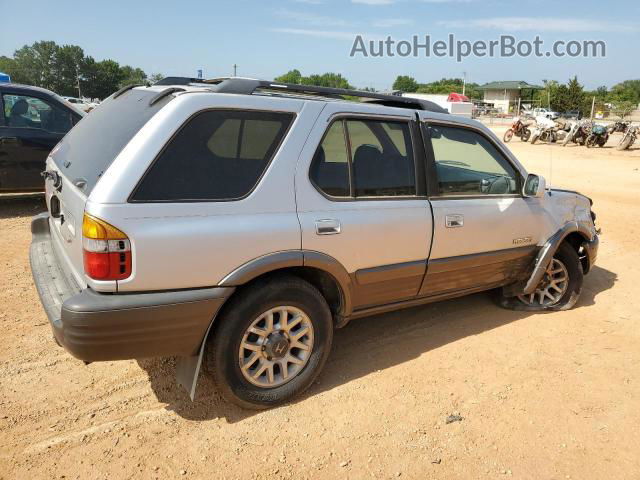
248, 86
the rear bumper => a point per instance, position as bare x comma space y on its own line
96, 326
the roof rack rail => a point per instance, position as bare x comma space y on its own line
248, 86
179, 81
126, 89
164, 93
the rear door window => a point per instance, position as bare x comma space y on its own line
217, 155
365, 158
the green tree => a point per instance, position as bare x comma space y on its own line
36, 64
333, 80
405, 83
624, 108
132, 76
10, 67
61, 68
292, 76
628, 91
446, 86
329, 79
68, 62
154, 78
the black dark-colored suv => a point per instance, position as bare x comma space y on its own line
33, 121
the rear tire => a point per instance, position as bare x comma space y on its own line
230, 350
534, 138
591, 141
526, 133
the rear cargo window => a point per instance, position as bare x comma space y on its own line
88, 149
217, 155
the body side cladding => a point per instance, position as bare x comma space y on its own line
497, 268
387, 283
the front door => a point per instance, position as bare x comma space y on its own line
361, 200
485, 231
32, 127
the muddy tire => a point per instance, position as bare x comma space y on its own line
559, 289
270, 342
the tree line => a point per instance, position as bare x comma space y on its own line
624, 97
64, 68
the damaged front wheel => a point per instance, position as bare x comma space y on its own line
559, 288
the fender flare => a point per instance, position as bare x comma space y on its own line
549, 249
188, 368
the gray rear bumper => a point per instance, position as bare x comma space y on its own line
95, 326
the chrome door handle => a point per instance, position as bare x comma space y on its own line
454, 221
327, 226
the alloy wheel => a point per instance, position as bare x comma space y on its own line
276, 347
551, 288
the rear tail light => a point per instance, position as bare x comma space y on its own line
106, 250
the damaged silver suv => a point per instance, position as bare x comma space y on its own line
235, 223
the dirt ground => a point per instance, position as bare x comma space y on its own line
542, 396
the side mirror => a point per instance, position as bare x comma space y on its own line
534, 186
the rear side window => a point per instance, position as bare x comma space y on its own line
330, 167
217, 155
365, 158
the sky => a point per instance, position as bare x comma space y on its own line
265, 39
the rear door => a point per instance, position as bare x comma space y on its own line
361, 199
485, 231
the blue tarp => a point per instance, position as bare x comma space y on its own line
4, 78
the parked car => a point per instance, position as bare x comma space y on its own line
33, 121
542, 112
238, 224
81, 104
572, 115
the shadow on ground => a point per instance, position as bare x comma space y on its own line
367, 345
21, 206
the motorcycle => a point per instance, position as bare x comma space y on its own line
545, 131
599, 136
578, 133
618, 127
628, 138
518, 128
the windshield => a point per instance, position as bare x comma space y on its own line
88, 149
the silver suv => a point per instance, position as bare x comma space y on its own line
238, 222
